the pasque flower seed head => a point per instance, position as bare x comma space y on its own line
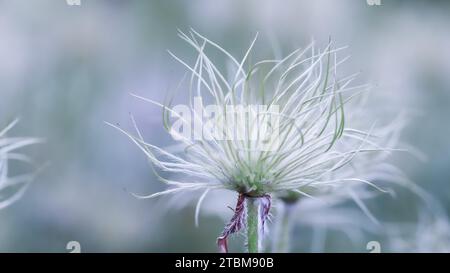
287, 117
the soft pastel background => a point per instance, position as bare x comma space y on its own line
64, 70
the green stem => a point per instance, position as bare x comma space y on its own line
283, 228
253, 236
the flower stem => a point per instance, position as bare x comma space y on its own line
283, 228
253, 225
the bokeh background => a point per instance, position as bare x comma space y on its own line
64, 70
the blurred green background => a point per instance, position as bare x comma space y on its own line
64, 70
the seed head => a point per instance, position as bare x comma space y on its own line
12, 188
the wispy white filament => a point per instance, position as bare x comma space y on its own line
12, 188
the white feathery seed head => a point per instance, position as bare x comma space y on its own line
12, 187
292, 142
431, 233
